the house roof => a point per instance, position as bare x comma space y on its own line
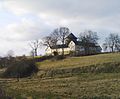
86, 44
71, 36
59, 46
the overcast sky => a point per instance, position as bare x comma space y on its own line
24, 20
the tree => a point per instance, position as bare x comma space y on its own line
62, 33
52, 39
112, 43
87, 38
49, 41
55, 37
35, 45
58, 35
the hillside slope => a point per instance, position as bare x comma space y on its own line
88, 77
80, 61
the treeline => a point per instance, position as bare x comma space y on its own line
112, 43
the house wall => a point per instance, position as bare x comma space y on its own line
66, 51
79, 50
50, 51
72, 46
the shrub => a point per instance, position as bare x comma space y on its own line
21, 68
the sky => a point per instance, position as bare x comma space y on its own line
22, 21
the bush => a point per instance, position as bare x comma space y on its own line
21, 68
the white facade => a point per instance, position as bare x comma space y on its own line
71, 47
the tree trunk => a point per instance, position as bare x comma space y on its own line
112, 49
35, 52
62, 51
63, 47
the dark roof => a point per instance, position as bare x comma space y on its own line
86, 44
59, 46
71, 36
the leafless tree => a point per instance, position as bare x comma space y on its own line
35, 45
48, 41
112, 42
62, 33
58, 35
51, 40
88, 37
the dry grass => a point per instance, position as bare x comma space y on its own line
93, 86
80, 86
80, 61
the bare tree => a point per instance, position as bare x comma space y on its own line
58, 35
112, 43
35, 45
62, 33
51, 40
87, 38
55, 37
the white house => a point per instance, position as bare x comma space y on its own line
74, 46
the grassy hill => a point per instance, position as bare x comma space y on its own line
81, 61
87, 77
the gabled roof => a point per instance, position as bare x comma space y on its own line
71, 36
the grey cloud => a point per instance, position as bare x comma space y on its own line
25, 30
99, 15
67, 7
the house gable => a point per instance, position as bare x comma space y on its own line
72, 46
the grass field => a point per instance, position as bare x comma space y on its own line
81, 61
73, 86
85, 86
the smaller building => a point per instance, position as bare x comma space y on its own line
73, 46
